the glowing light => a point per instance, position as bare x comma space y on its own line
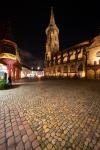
3, 68
39, 76
28, 75
8, 55
22, 75
83, 74
38, 68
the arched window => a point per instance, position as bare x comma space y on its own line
98, 54
80, 68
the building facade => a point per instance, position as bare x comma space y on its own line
81, 60
9, 60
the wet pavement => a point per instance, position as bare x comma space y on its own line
51, 115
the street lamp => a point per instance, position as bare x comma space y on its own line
38, 68
32, 68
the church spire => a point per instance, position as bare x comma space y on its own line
52, 42
52, 19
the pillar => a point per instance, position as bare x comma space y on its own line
13, 73
18, 74
9, 68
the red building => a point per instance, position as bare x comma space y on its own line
9, 59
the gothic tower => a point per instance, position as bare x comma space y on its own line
52, 42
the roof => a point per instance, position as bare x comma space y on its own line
8, 42
84, 43
95, 42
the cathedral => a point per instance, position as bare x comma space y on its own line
80, 61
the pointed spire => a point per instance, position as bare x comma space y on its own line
52, 19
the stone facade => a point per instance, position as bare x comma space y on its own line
80, 60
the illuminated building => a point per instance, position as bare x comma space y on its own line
80, 60
31, 73
25, 72
9, 59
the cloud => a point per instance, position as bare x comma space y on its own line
25, 53
29, 60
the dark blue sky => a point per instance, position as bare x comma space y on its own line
77, 21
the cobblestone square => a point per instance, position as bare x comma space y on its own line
51, 115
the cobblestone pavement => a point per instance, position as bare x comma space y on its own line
51, 115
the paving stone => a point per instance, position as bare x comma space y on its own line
25, 138
2, 140
3, 146
16, 133
29, 132
23, 132
21, 127
8, 124
8, 129
39, 138
47, 135
15, 128
14, 123
9, 133
10, 141
20, 146
63, 143
35, 144
59, 114
11, 147
2, 134
18, 139
32, 137
38, 148
49, 146
54, 141
28, 145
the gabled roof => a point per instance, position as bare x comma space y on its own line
95, 42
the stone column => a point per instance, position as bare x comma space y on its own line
13, 73
9, 67
17, 73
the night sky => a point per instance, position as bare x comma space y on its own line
77, 21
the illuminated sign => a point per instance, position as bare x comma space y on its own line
8, 55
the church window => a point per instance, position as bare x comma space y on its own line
98, 54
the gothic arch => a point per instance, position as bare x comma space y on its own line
91, 74
98, 74
98, 54
80, 70
80, 67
